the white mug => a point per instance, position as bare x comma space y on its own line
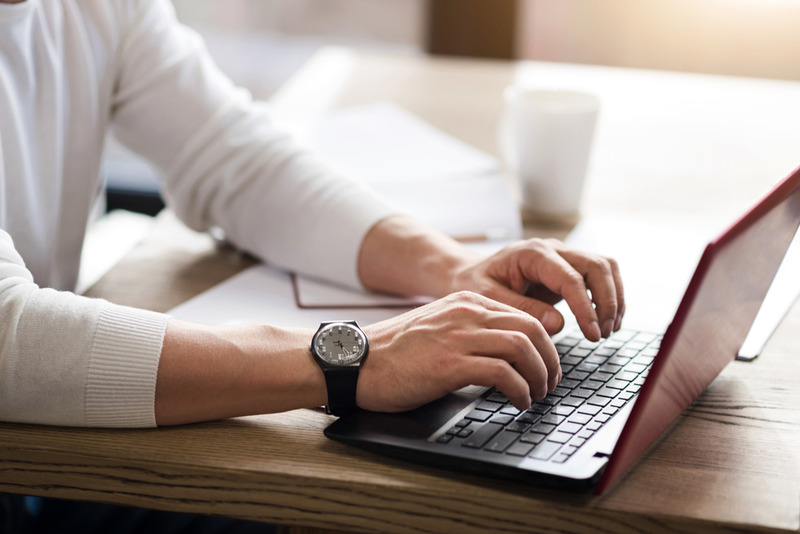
548, 139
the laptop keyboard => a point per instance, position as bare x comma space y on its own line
598, 380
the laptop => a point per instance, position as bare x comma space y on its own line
617, 397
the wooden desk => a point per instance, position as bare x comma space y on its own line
731, 463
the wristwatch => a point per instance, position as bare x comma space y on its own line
339, 348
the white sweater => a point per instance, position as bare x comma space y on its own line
69, 71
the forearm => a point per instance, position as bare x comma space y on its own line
215, 372
401, 255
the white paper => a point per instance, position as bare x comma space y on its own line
264, 295
312, 293
381, 142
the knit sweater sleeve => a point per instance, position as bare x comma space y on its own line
224, 162
71, 360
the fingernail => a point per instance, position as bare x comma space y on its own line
594, 330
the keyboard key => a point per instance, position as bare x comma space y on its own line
587, 367
597, 400
520, 448
539, 409
580, 418
444, 438
580, 352
511, 410
553, 419
528, 418
602, 418
562, 410
543, 428
610, 368
488, 406
571, 360
576, 442
501, 419
572, 401
570, 428
626, 376
635, 367
550, 400
646, 337
619, 360
592, 384
501, 442
561, 391
569, 383
532, 438
562, 348
497, 396
477, 415
608, 392
518, 426
463, 423
481, 436
590, 409
544, 450
635, 345
617, 384
601, 376
577, 375
624, 335
464, 432
583, 393
559, 437
561, 457
605, 351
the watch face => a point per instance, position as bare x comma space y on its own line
340, 344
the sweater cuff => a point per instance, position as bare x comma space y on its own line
123, 365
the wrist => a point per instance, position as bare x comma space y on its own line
401, 255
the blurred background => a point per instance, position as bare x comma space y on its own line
261, 43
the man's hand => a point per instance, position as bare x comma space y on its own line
533, 275
462, 339
402, 256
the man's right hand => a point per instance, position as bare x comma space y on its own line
462, 339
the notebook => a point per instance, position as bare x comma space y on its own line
617, 397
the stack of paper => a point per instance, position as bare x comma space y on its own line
435, 177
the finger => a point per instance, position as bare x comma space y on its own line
599, 276
487, 371
523, 342
507, 316
620, 294
557, 274
550, 318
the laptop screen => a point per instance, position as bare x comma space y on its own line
712, 321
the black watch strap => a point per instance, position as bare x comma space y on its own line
341, 383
